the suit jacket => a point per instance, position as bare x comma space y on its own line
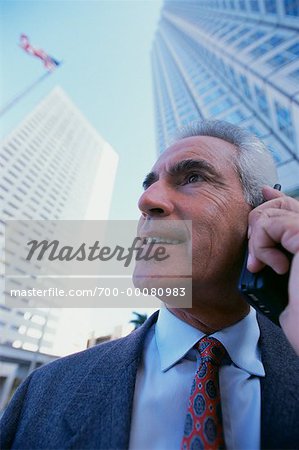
84, 401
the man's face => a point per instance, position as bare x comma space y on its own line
195, 179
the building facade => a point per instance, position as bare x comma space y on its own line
236, 61
55, 166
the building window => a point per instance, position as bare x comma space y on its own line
238, 35
268, 45
210, 97
294, 75
254, 130
270, 6
232, 75
242, 5
254, 5
284, 120
235, 117
222, 106
250, 39
261, 100
277, 60
291, 7
293, 51
286, 56
245, 86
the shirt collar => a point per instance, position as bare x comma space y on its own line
175, 338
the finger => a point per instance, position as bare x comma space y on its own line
294, 285
267, 212
277, 199
264, 238
284, 229
270, 193
272, 257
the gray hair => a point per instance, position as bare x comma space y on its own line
254, 164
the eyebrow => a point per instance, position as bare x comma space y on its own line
207, 170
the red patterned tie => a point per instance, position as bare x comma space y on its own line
203, 424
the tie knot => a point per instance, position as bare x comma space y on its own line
211, 350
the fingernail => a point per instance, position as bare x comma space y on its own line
249, 260
249, 232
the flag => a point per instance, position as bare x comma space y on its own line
49, 62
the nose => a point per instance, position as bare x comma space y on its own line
156, 201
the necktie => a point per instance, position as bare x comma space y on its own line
203, 424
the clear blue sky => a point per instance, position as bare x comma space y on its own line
105, 46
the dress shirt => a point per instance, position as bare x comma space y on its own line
165, 376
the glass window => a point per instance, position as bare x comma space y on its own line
286, 56
210, 97
270, 6
284, 120
261, 100
221, 106
294, 75
232, 74
202, 90
242, 5
245, 86
294, 49
238, 34
235, 117
250, 39
227, 30
277, 60
268, 45
254, 5
291, 7
255, 130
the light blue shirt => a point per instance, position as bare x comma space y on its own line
164, 380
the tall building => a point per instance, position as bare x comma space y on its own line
55, 166
236, 61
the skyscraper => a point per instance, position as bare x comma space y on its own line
232, 60
55, 166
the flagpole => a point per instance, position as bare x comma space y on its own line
22, 94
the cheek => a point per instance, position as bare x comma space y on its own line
219, 231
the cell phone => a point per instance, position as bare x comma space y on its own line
266, 290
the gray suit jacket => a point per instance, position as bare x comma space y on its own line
84, 401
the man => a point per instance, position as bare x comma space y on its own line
134, 393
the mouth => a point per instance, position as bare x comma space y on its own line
146, 240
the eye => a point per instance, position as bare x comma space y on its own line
193, 178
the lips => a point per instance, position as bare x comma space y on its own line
164, 232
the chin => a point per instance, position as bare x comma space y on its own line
175, 292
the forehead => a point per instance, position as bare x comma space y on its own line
219, 153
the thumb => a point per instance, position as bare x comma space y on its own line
269, 193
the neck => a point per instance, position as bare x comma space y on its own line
210, 315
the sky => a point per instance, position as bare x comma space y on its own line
105, 48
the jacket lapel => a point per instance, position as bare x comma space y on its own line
99, 413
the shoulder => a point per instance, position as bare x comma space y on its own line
277, 353
274, 342
44, 395
103, 355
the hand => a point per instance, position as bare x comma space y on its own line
277, 221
